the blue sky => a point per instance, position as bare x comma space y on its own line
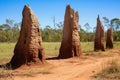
45, 10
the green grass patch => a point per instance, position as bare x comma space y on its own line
117, 45
51, 49
32, 73
6, 51
45, 71
29, 73
87, 46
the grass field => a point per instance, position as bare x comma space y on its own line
51, 49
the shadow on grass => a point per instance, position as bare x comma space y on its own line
8, 66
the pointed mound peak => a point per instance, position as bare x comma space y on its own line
28, 14
68, 6
27, 6
27, 9
98, 18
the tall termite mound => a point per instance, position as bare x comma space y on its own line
29, 49
70, 45
99, 36
109, 40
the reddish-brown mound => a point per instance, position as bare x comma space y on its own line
99, 36
109, 40
70, 45
29, 49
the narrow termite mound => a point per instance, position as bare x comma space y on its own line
70, 45
109, 40
99, 36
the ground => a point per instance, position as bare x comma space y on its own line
82, 68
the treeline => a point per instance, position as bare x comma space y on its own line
51, 35
9, 32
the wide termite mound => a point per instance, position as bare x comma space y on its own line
28, 49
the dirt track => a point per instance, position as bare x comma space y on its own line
73, 68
